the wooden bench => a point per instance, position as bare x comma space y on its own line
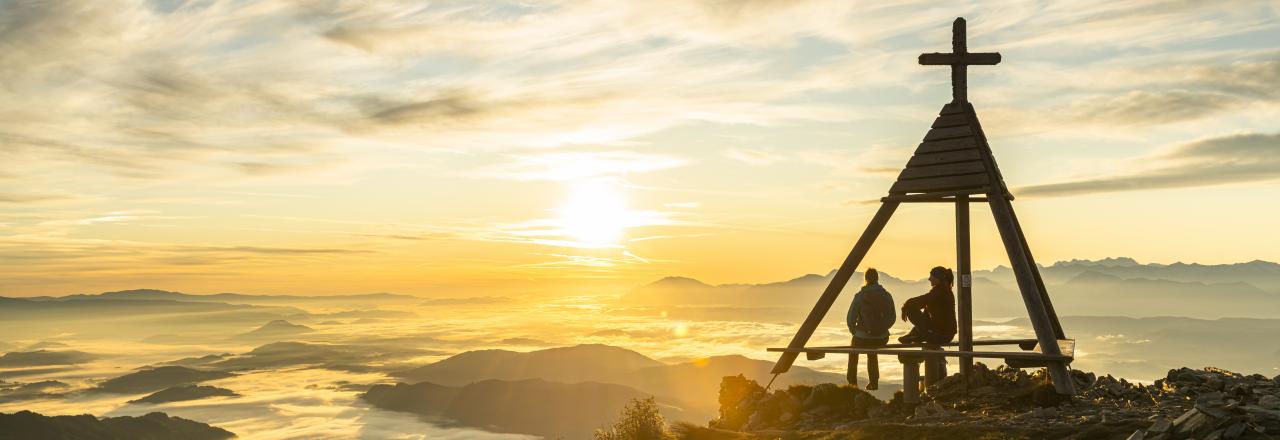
911, 355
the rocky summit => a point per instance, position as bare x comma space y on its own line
1007, 403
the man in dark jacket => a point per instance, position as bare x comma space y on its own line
870, 317
933, 314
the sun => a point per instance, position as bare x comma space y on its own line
595, 214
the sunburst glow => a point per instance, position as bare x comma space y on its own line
595, 214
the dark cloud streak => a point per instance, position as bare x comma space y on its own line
1241, 158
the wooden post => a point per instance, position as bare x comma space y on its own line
910, 379
964, 293
838, 281
1047, 338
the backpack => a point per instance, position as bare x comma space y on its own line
877, 314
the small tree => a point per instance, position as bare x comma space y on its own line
639, 420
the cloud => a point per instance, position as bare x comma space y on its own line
8, 197
278, 250
1143, 107
1240, 158
1187, 91
753, 157
559, 166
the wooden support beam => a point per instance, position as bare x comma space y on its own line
928, 197
946, 183
838, 282
950, 169
938, 134
943, 146
944, 121
1002, 210
921, 160
964, 289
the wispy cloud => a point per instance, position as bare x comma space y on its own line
753, 157
579, 165
1223, 160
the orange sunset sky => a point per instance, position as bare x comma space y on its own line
579, 147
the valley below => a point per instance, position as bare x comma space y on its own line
399, 366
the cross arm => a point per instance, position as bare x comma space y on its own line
944, 59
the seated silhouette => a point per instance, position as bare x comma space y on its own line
932, 315
870, 316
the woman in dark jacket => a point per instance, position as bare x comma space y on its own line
933, 314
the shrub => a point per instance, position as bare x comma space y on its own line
639, 420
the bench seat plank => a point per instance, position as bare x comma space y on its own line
1066, 346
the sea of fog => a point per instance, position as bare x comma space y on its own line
317, 397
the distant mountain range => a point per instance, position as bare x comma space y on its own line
689, 386
231, 298
1109, 287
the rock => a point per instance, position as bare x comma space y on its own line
1214, 383
928, 410
1234, 431
1161, 426
1276, 380
1215, 397
1045, 413
1191, 421
1137, 435
1214, 412
1269, 402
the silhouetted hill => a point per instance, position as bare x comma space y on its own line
690, 292
276, 329
581, 363
687, 384
423, 398
533, 406
25, 308
185, 392
1078, 287
45, 389
467, 301
44, 357
153, 426
152, 379
236, 298
360, 357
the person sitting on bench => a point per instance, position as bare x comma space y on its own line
933, 315
870, 317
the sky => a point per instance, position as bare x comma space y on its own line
575, 147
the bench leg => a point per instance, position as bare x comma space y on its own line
935, 369
911, 382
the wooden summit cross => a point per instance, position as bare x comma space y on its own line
953, 163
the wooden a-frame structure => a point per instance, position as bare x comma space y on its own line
954, 164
